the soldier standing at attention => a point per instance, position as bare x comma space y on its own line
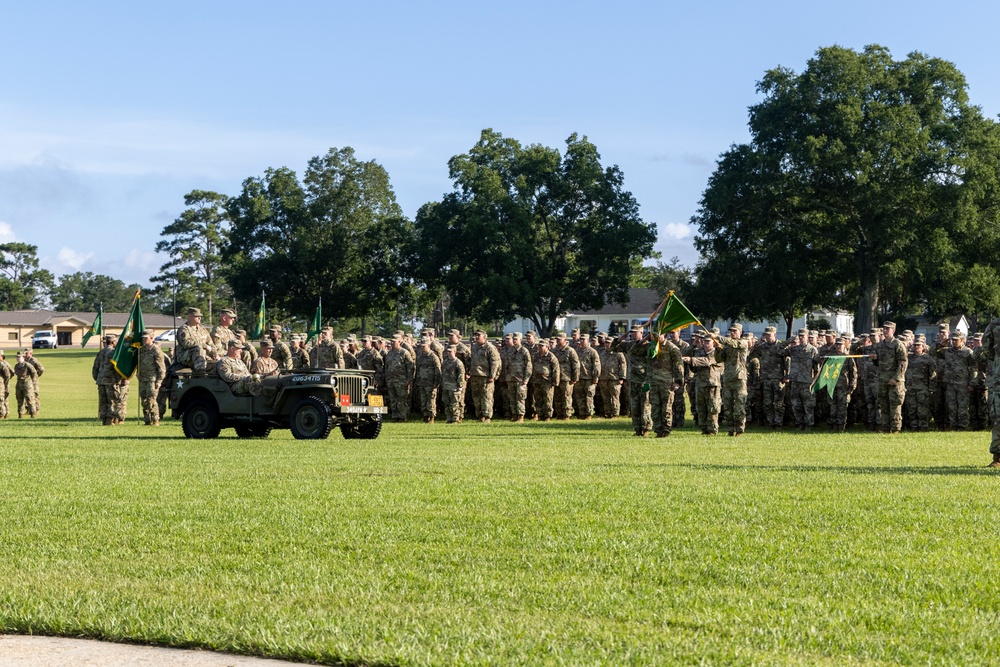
665, 373
921, 376
518, 373
464, 354
733, 352
803, 363
991, 350
452, 384
978, 414
847, 382
482, 372
6, 373
680, 405
29, 357
544, 379
590, 375
264, 365
399, 371
638, 392
370, 360
281, 353
959, 369
114, 386
25, 388
152, 370
569, 375
427, 379
326, 353
890, 357
708, 380
102, 359
194, 347
773, 377
611, 380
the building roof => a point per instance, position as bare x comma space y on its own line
43, 317
642, 301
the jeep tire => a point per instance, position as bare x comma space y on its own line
201, 420
311, 419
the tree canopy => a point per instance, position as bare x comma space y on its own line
86, 291
531, 232
22, 283
867, 182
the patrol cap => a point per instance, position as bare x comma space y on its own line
637, 327
144, 334
843, 340
888, 325
516, 335
397, 336
479, 332
875, 332
944, 326
276, 328
531, 332
241, 332
110, 336
830, 332
977, 336
736, 326
366, 339
803, 332
509, 336
2, 353
193, 311
561, 335
716, 330
575, 331
770, 330
266, 343
228, 311
451, 348
920, 339
957, 335
907, 332
746, 336
454, 332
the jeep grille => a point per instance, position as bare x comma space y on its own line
351, 385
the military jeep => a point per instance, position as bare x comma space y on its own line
309, 402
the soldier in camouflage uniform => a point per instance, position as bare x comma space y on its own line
399, 371
991, 351
113, 385
890, 358
544, 379
733, 352
847, 382
234, 372
249, 351
194, 347
369, 359
665, 373
978, 413
281, 353
569, 375
612, 378
6, 373
25, 387
452, 384
518, 371
773, 377
326, 353
957, 365
427, 379
482, 372
638, 390
869, 373
590, 375
29, 357
680, 405
464, 354
221, 333
152, 371
803, 364
939, 405
921, 377
264, 365
708, 371
691, 382
754, 401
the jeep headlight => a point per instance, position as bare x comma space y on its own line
333, 381
364, 383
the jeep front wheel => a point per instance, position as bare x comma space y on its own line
367, 429
201, 420
311, 419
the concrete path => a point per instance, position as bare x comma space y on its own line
35, 651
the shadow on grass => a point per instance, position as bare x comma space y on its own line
849, 470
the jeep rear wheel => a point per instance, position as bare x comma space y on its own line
367, 429
201, 420
253, 430
311, 419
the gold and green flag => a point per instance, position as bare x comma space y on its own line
126, 356
829, 374
317, 322
258, 328
670, 315
95, 328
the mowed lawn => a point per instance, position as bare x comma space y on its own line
559, 543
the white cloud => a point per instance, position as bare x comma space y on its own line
72, 259
139, 260
6, 232
675, 231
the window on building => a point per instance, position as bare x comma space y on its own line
12, 335
588, 326
618, 327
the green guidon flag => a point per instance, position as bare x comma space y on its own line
317, 322
829, 374
670, 315
126, 356
95, 328
258, 328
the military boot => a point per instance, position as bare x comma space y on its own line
996, 462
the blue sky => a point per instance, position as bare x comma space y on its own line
110, 112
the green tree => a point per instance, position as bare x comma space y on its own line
22, 283
868, 169
86, 291
338, 235
664, 277
530, 232
194, 244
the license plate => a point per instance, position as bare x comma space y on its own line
375, 400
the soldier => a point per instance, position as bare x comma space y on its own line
234, 373
921, 376
152, 371
680, 404
194, 347
112, 385
6, 373
102, 358
869, 374
29, 357
733, 352
665, 373
281, 353
991, 350
978, 414
612, 378
351, 353
773, 377
890, 358
249, 351
436, 346
221, 333
569, 375
544, 379
957, 365
802, 365
500, 398
452, 384
265, 365
638, 390
464, 354
369, 359
300, 357
847, 382
326, 353
708, 380
590, 375
427, 379
826, 348
25, 387
399, 372
518, 369
482, 372
938, 404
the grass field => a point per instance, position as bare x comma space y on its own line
499, 544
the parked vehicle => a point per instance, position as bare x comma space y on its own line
168, 336
45, 339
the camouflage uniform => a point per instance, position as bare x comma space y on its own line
612, 375
518, 371
733, 353
680, 405
869, 378
264, 366
664, 372
991, 351
399, 370
194, 347
427, 379
638, 390
544, 378
221, 335
773, 378
978, 402
483, 370
453, 387
25, 388
921, 376
113, 388
39, 369
327, 354
708, 384
282, 354
6, 373
590, 374
152, 371
891, 361
803, 360
234, 373
958, 368
847, 382
569, 375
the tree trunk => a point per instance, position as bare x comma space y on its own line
789, 318
864, 317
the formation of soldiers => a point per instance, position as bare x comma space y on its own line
24, 374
